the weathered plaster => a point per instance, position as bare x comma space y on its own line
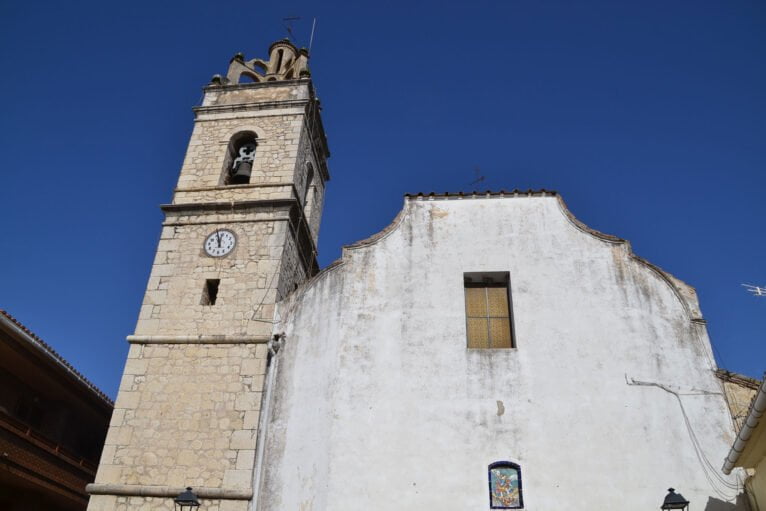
378, 402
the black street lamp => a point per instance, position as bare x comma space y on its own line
674, 500
186, 500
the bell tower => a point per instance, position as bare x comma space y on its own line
239, 235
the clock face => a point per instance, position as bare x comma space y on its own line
220, 242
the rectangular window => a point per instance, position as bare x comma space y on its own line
210, 292
487, 310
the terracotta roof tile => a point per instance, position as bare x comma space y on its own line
481, 195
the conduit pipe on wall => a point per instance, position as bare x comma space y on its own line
275, 344
753, 418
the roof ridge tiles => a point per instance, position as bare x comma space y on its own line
542, 192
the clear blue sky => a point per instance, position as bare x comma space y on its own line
648, 117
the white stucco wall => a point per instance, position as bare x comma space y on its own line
378, 405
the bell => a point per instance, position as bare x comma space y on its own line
240, 173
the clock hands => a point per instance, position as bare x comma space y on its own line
220, 242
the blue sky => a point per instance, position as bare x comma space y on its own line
648, 117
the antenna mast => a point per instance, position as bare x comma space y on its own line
756, 290
311, 39
288, 24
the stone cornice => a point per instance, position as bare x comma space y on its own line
248, 107
228, 205
197, 339
257, 85
234, 187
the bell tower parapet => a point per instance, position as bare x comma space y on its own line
286, 62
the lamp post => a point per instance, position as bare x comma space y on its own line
674, 500
186, 500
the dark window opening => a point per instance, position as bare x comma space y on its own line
488, 310
30, 411
210, 292
309, 181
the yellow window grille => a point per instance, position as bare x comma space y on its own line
488, 318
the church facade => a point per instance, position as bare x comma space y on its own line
485, 351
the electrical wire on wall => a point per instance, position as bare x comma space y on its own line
257, 308
715, 479
302, 225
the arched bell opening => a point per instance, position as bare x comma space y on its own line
259, 67
247, 77
309, 185
240, 157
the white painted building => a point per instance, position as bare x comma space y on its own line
607, 397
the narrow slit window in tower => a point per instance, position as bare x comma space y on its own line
210, 291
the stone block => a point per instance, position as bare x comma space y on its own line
107, 455
109, 474
248, 401
134, 351
253, 366
102, 503
136, 366
242, 439
234, 505
118, 415
127, 400
245, 459
238, 479
126, 382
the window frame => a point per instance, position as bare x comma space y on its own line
484, 280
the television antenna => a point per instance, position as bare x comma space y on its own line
756, 290
479, 177
288, 24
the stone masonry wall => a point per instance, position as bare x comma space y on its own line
739, 396
292, 272
248, 276
315, 206
315, 195
246, 94
186, 415
246, 192
275, 157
